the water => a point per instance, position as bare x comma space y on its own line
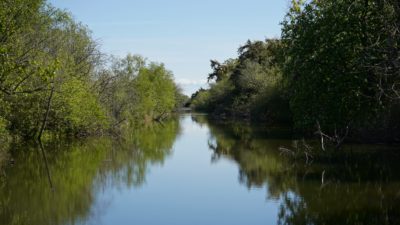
191, 170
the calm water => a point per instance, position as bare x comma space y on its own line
194, 171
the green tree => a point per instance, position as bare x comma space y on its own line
336, 52
156, 91
43, 51
249, 86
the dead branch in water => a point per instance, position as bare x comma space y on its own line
337, 139
298, 150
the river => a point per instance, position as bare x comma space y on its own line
192, 170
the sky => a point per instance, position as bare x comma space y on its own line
183, 34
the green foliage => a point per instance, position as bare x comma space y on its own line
213, 99
336, 65
134, 91
116, 88
156, 91
222, 71
54, 79
200, 100
336, 52
249, 87
78, 109
3, 129
4, 141
181, 100
44, 51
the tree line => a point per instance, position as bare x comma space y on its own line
54, 79
335, 70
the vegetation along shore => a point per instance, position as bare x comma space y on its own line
335, 71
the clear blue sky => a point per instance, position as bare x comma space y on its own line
182, 34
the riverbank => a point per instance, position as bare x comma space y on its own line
374, 136
55, 81
331, 72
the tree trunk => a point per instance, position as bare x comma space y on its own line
46, 116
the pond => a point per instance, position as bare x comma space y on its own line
192, 170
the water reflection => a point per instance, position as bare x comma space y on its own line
359, 185
77, 172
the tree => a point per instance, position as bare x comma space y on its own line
249, 86
336, 52
156, 90
221, 71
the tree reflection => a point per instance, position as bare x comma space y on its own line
80, 170
359, 185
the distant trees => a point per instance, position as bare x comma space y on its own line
136, 90
247, 87
54, 78
156, 89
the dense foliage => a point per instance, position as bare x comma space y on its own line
53, 78
342, 63
336, 68
247, 87
134, 91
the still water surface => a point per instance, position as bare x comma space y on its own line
191, 170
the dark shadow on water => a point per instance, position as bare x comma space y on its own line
357, 185
40, 144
